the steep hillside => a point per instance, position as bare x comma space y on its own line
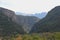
27, 22
51, 23
8, 23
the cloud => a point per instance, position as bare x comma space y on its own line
29, 6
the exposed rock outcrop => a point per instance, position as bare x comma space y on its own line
9, 23
27, 22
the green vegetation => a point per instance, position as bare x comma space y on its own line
35, 36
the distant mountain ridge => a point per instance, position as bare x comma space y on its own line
39, 15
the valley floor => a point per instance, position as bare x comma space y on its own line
35, 36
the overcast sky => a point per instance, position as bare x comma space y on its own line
29, 6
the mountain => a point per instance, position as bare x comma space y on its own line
51, 23
20, 13
27, 22
39, 15
9, 23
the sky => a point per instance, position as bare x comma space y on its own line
29, 6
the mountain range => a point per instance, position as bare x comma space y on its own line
10, 23
39, 15
51, 23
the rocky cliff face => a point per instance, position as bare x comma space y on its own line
27, 22
51, 23
8, 13
9, 23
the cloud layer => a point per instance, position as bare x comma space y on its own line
29, 6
